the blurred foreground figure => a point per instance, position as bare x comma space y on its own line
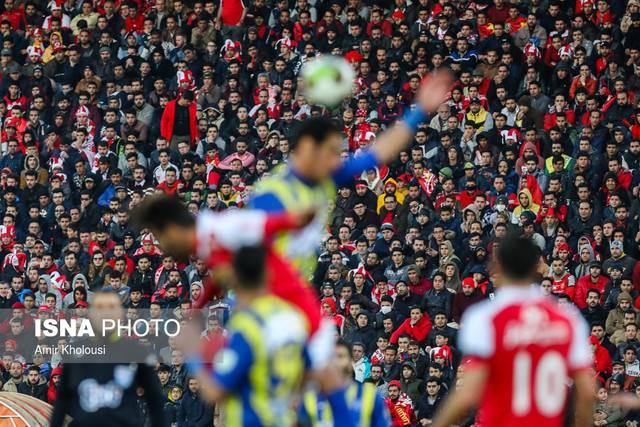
521, 350
215, 237
104, 394
260, 370
366, 406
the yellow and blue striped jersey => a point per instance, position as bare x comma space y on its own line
263, 364
287, 191
366, 407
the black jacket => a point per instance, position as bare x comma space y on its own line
39, 391
193, 412
113, 400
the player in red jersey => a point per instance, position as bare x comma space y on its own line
522, 348
214, 237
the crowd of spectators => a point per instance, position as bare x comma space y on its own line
106, 102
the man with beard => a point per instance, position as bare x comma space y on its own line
593, 311
594, 280
33, 386
400, 406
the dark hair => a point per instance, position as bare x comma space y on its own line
317, 129
249, 266
158, 212
518, 257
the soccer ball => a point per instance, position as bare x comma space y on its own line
327, 80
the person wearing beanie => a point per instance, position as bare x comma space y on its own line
400, 405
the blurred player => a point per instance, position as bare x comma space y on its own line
366, 406
522, 347
315, 169
259, 371
105, 394
214, 237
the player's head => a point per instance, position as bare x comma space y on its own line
316, 148
249, 268
169, 221
518, 259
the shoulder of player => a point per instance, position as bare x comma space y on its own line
480, 312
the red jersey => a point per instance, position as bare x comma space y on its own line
530, 345
219, 235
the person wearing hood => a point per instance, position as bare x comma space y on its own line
174, 397
45, 287
373, 180
54, 383
392, 213
390, 188
615, 319
98, 271
447, 255
410, 383
32, 163
585, 256
452, 277
330, 311
601, 357
525, 204
81, 292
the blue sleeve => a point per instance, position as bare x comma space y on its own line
106, 195
233, 363
267, 202
354, 166
380, 416
340, 410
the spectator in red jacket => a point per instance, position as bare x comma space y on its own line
601, 357
418, 326
593, 280
179, 120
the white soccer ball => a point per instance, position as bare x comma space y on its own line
327, 80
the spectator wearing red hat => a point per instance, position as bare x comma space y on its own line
400, 406
465, 298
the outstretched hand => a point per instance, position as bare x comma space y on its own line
625, 400
433, 90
